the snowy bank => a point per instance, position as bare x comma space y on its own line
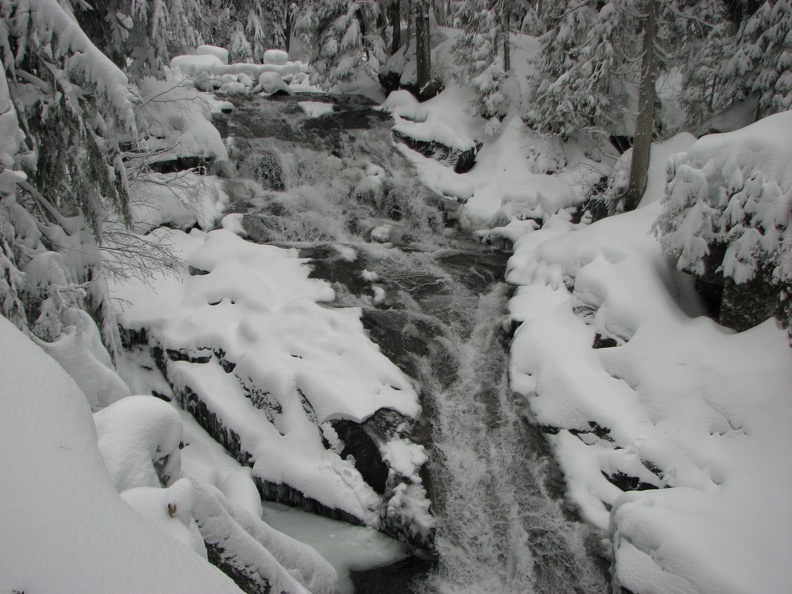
64, 527
252, 351
672, 431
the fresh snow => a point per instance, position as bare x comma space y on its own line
64, 526
298, 364
315, 109
679, 403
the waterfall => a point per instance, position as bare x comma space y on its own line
501, 527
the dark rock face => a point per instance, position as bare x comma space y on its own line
248, 580
737, 306
199, 165
391, 81
359, 445
398, 578
460, 161
748, 304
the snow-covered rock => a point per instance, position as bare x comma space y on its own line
671, 431
220, 53
271, 82
196, 65
275, 56
139, 438
266, 369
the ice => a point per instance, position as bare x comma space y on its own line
345, 546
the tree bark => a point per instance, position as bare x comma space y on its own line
422, 44
395, 16
505, 35
639, 167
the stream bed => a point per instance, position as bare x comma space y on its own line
434, 301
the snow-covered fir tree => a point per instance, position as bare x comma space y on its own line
66, 110
344, 38
482, 52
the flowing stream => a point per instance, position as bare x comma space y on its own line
335, 188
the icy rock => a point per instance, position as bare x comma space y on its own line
460, 160
257, 557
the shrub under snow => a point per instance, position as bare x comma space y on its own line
733, 191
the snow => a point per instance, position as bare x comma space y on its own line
181, 200
196, 65
179, 120
275, 56
679, 402
169, 510
316, 109
68, 539
212, 50
733, 189
139, 439
271, 82
79, 350
298, 364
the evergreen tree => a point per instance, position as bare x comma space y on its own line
551, 108
65, 110
760, 60
481, 50
248, 28
344, 39
140, 36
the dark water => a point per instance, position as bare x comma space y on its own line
335, 188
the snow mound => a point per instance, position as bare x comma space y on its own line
316, 109
139, 439
211, 50
62, 517
179, 119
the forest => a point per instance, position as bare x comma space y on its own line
622, 166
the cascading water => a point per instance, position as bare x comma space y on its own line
500, 529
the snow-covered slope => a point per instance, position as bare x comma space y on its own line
639, 391
64, 527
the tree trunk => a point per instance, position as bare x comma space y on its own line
639, 166
422, 44
409, 23
395, 16
505, 35
288, 28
